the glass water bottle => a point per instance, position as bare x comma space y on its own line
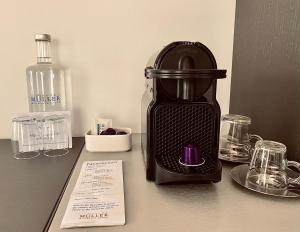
46, 82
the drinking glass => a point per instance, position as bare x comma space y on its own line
25, 138
268, 167
236, 143
55, 135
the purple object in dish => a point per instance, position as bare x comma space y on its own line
121, 133
191, 156
109, 131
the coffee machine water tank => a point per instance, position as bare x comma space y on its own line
181, 116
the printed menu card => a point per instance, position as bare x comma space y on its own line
98, 196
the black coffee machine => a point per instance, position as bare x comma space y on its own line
181, 116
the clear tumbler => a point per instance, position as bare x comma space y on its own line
56, 135
25, 138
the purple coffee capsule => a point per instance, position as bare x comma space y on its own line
191, 156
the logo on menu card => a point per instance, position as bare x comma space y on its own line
93, 215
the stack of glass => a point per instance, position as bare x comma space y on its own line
36, 135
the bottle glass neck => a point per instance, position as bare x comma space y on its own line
43, 52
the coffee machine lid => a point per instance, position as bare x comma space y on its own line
185, 74
182, 60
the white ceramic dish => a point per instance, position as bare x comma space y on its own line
108, 143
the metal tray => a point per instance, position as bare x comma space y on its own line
239, 174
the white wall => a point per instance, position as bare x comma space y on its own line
107, 45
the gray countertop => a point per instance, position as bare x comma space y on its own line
31, 189
224, 206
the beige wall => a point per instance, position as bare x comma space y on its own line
107, 45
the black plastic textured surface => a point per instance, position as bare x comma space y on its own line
180, 124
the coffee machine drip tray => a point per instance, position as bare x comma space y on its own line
169, 170
172, 164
